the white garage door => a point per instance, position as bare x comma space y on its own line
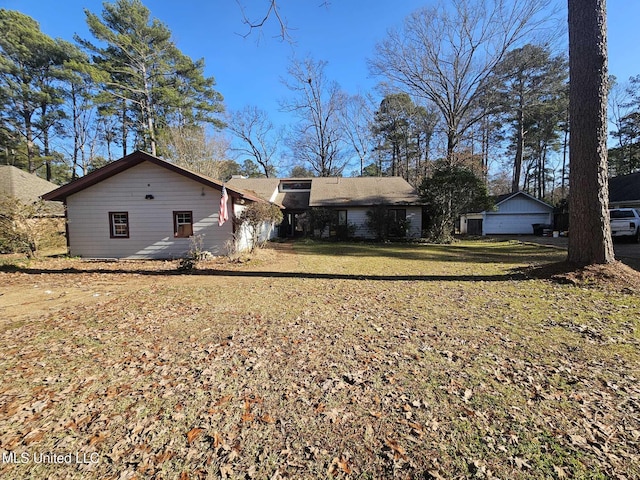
512, 224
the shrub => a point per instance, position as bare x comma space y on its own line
255, 216
26, 228
195, 254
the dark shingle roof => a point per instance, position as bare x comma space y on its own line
23, 185
625, 188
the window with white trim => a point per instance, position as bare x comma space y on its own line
119, 224
182, 224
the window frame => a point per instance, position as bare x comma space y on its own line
395, 211
396, 223
177, 224
295, 186
346, 218
113, 224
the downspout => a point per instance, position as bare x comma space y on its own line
66, 226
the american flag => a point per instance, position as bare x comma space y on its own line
223, 216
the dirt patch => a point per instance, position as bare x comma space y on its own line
46, 285
614, 276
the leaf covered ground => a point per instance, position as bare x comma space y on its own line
320, 361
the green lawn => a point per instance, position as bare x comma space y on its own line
322, 360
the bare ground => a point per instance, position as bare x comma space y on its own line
321, 361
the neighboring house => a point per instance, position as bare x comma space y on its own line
141, 207
514, 214
350, 199
27, 188
624, 191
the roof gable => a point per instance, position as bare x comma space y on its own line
132, 160
502, 199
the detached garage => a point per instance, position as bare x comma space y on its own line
514, 214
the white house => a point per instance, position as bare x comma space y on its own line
350, 198
142, 207
514, 214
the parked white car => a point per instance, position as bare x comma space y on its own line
625, 222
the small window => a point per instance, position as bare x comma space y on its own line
119, 224
621, 214
182, 224
342, 217
397, 215
397, 226
293, 185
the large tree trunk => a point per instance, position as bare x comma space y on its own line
30, 146
517, 163
590, 233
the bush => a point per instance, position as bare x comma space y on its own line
25, 228
255, 216
195, 254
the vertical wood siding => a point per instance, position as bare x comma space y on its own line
150, 221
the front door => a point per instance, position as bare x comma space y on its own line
294, 224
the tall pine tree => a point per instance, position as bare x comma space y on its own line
145, 77
31, 63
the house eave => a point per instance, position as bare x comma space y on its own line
131, 160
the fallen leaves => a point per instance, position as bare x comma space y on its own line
194, 434
311, 377
398, 450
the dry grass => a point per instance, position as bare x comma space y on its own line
320, 361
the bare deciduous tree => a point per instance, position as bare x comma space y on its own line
445, 53
317, 137
192, 148
273, 13
259, 137
356, 122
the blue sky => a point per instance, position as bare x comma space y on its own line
248, 71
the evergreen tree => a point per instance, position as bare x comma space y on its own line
403, 131
145, 77
625, 158
31, 64
590, 239
450, 191
529, 89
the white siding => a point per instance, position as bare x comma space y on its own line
522, 204
521, 224
516, 216
358, 217
415, 227
150, 221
